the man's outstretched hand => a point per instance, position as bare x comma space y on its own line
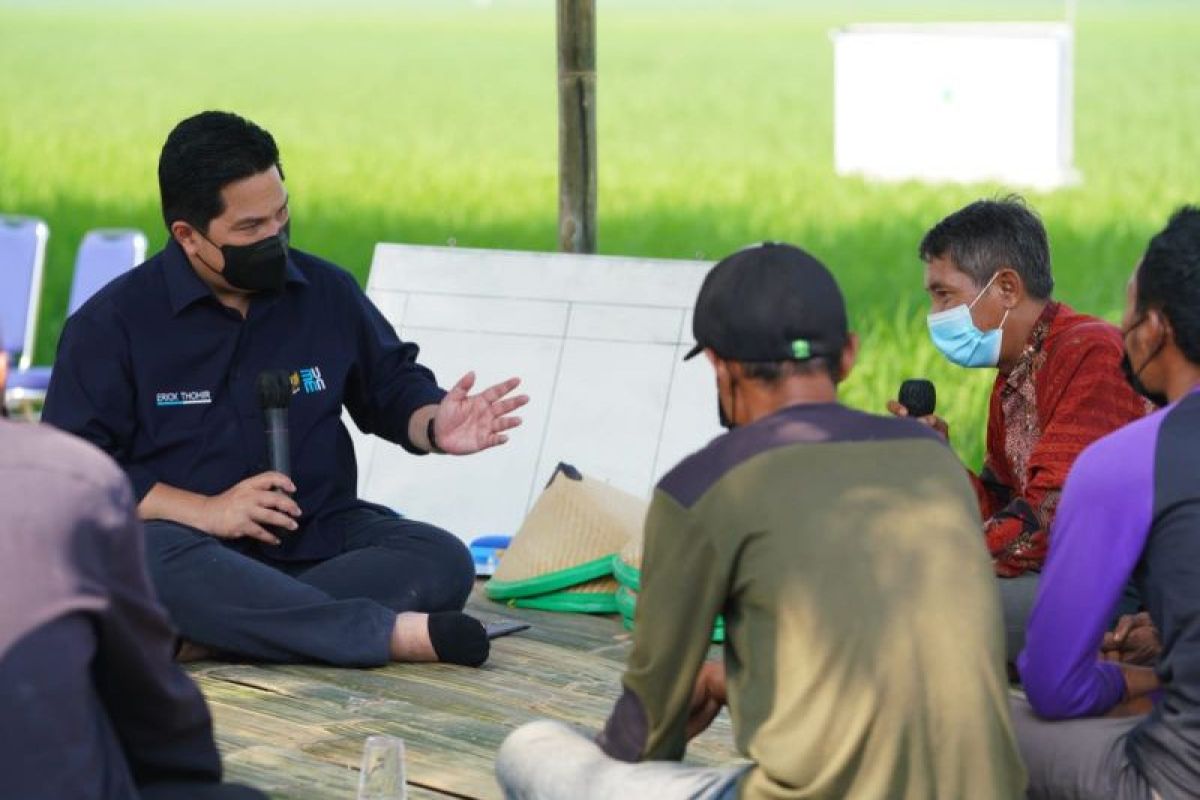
467, 423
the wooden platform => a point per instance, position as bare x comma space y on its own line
298, 731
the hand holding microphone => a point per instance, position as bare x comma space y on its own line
261, 506
918, 399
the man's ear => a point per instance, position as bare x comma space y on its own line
1158, 327
849, 357
1011, 286
187, 236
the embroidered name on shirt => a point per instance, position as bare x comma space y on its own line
309, 380
183, 398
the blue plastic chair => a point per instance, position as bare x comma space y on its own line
22, 258
103, 255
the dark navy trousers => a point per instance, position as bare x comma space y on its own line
338, 611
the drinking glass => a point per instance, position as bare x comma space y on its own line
382, 776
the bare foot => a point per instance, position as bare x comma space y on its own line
410, 638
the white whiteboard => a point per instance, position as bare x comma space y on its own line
956, 102
598, 343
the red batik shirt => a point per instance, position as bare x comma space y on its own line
1065, 392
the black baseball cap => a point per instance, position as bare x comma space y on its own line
770, 302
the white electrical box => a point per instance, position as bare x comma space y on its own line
956, 103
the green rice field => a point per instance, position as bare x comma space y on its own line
436, 123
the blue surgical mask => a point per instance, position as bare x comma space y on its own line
954, 333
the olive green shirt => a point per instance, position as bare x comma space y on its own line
864, 651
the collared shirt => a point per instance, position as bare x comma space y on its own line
92, 704
156, 372
1131, 508
862, 622
1065, 392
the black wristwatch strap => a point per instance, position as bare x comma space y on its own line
433, 445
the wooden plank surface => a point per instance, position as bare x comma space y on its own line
298, 731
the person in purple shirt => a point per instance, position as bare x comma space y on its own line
1097, 723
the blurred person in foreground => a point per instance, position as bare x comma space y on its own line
1059, 385
863, 655
92, 704
1117, 715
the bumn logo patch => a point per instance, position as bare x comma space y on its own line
309, 380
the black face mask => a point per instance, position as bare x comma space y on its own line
257, 267
1133, 376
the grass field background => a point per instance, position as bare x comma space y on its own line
436, 123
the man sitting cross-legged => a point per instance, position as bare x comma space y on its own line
160, 370
863, 656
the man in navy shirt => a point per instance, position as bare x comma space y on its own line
1127, 725
159, 370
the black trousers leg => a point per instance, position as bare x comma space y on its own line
400, 563
222, 599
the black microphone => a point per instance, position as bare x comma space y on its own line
918, 397
274, 394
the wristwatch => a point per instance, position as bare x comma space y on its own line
433, 445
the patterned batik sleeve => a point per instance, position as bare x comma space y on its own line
1081, 397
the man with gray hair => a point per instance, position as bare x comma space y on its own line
1058, 386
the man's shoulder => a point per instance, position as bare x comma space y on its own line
1075, 334
826, 424
1112, 457
41, 450
135, 290
324, 274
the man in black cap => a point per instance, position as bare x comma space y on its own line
864, 655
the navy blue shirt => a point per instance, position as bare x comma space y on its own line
157, 373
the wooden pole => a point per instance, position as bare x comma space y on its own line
577, 126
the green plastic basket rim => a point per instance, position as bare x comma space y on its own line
550, 581
626, 574
571, 602
718, 634
626, 602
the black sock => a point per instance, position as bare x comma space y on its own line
458, 639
